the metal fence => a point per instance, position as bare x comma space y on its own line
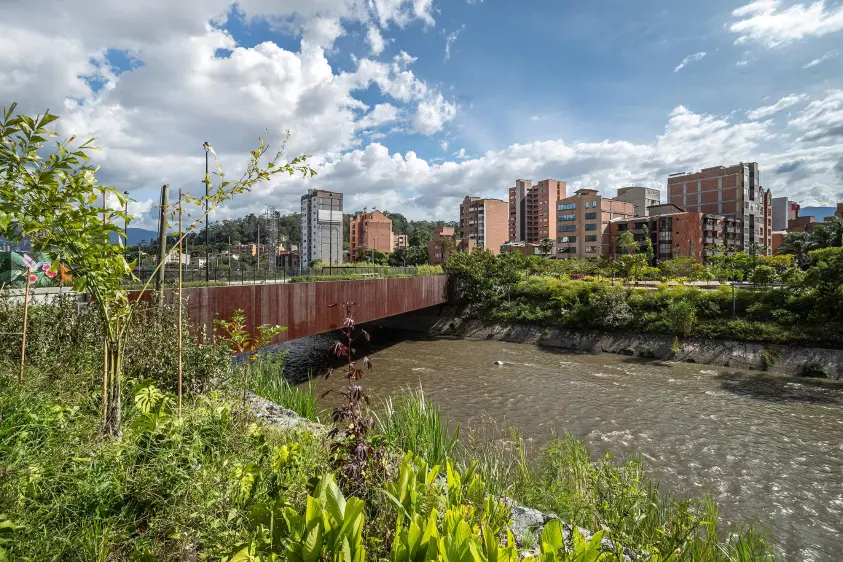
251, 275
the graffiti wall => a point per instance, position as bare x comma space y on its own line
16, 268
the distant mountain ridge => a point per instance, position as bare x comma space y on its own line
819, 213
136, 236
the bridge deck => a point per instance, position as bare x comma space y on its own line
305, 308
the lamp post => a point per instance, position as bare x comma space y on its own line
208, 149
126, 218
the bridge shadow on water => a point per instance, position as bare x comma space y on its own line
308, 357
780, 388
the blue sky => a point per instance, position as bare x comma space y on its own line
409, 105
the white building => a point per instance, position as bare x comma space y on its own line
173, 258
641, 197
321, 227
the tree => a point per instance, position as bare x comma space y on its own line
797, 244
763, 275
410, 256
53, 198
648, 245
546, 246
627, 243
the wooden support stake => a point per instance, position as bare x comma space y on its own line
25, 322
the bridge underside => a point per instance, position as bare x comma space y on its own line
305, 308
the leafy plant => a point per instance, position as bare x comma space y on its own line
240, 341
355, 459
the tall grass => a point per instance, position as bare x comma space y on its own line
267, 380
410, 423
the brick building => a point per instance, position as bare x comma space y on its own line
675, 233
582, 223
485, 222
369, 231
641, 197
733, 191
443, 242
532, 216
400, 241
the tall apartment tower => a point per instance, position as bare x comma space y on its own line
369, 231
321, 227
532, 209
584, 218
641, 197
485, 222
733, 191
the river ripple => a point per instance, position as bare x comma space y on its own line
768, 449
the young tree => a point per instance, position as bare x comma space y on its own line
54, 199
546, 246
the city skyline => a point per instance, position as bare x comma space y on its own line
412, 104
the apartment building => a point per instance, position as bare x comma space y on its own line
400, 241
733, 191
485, 222
784, 211
641, 197
321, 227
443, 242
583, 221
532, 217
369, 231
676, 233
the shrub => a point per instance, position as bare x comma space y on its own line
682, 315
814, 369
644, 352
769, 356
610, 309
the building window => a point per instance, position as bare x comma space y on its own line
591, 226
568, 228
622, 227
591, 249
591, 238
590, 216
567, 217
566, 206
567, 239
566, 250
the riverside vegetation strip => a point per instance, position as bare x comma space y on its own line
806, 308
221, 484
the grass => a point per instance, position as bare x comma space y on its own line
409, 422
268, 380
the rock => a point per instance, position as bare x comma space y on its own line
273, 414
498, 362
525, 519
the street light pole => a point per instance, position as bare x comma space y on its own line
207, 148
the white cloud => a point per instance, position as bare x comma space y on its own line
690, 59
443, 144
450, 40
376, 41
825, 57
770, 110
764, 22
822, 120
432, 114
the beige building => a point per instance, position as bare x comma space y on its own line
531, 214
484, 222
733, 191
641, 197
582, 223
400, 241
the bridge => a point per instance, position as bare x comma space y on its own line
305, 308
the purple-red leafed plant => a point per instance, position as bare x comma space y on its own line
354, 458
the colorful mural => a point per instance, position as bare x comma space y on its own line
14, 267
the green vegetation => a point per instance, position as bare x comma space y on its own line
805, 308
218, 484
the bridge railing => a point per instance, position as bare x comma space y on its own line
252, 275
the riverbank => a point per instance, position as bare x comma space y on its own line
451, 321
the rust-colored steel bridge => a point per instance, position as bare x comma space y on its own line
305, 308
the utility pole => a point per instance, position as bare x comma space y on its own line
126, 219
162, 236
207, 148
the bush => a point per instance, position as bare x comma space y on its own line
610, 309
682, 315
814, 369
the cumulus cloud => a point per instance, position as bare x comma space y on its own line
689, 59
765, 22
770, 110
821, 120
376, 41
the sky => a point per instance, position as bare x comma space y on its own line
410, 105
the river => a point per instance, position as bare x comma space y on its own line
769, 449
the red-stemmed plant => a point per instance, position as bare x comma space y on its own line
354, 457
